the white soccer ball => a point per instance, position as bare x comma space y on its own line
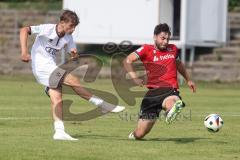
213, 122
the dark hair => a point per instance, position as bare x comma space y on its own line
69, 16
162, 27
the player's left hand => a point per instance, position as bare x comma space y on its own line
74, 54
191, 85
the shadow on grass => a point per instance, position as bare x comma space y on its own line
187, 140
119, 138
178, 140
95, 136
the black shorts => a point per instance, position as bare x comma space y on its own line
152, 102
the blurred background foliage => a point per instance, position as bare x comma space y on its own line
233, 4
43, 5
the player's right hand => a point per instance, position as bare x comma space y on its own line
74, 54
25, 57
138, 81
192, 86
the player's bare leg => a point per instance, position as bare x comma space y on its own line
169, 102
144, 126
56, 103
56, 106
73, 81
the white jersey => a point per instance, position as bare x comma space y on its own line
44, 49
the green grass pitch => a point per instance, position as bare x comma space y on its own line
26, 126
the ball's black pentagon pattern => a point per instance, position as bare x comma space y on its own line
213, 123
207, 118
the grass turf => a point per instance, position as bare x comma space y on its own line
26, 126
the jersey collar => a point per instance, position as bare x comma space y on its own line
59, 36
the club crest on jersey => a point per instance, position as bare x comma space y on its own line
50, 40
169, 49
154, 52
165, 57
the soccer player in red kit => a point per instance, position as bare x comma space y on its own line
161, 62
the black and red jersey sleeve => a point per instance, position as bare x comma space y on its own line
175, 49
177, 53
141, 52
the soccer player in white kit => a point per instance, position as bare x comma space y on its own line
49, 40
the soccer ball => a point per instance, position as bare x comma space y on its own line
213, 122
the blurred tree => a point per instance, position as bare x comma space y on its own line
233, 3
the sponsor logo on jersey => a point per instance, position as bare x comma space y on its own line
51, 51
160, 58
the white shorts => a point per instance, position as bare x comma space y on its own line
50, 76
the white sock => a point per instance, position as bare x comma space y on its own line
105, 106
58, 126
95, 100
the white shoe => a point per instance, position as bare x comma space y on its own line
118, 109
131, 136
63, 136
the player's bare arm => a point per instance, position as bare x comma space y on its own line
25, 56
128, 66
182, 70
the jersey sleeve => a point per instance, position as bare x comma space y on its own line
36, 29
70, 45
141, 52
177, 53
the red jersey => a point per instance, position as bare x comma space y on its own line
160, 65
